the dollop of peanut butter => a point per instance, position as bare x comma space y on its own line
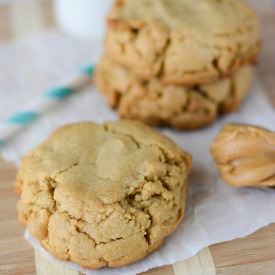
245, 155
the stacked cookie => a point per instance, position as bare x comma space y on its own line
177, 62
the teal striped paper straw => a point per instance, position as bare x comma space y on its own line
32, 111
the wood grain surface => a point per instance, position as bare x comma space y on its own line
254, 254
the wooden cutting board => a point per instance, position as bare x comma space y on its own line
254, 254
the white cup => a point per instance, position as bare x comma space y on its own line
82, 18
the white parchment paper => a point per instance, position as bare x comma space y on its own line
216, 212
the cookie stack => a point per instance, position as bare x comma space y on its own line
177, 62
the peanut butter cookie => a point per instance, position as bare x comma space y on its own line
103, 195
182, 41
245, 155
177, 106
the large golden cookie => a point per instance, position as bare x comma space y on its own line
177, 106
182, 41
103, 195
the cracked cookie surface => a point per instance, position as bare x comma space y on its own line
180, 41
103, 195
177, 106
245, 155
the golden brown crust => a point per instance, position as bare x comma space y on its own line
208, 78
176, 106
103, 195
245, 155
150, 39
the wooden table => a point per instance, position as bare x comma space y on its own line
254, 254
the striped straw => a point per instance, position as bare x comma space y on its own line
32, 111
